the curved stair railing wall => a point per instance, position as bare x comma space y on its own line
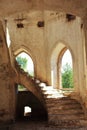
31, 83
63, 111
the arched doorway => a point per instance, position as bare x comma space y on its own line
28, 107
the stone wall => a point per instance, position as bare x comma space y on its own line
30, 38
6, 81
41, 43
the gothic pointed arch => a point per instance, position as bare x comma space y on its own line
26, 63
56, 58
65, 69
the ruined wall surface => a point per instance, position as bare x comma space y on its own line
71, 34
6, 83
30, 38
41, 42
59, 30
77, 7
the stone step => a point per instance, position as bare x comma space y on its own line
61, 102
46, 95
63, 111
47, 87
56, 96
55, 117
51, 92
69, 124
43, 91
50, 102
50, 95
42, 85
63, 107
62, 99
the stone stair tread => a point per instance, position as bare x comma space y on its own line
65, 104
62, 99
62, 102
65, 117
47, 88
52, 95
42, 85
62, 108
51, 91
66, 108
69, 124
43, 91
45, 95
59, 105
66, 112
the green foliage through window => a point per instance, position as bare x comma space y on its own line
25, 63
22, 62
67, 76
21, 88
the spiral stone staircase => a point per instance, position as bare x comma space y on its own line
63, 111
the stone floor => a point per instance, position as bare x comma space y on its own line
40, 125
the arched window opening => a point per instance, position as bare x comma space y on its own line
8, 40
26, 63
21, 88
67, 71
8, 37
27, 111
55, 65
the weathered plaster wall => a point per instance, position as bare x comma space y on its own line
32, 38
41, 42
6, 83
52, 36
76, 7
68, 33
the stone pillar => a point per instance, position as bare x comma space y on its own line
84, 24
84, 93
85, 49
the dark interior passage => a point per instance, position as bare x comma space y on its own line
26, 99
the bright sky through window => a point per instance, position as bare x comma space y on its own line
30, 66
67, 58
8, 38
